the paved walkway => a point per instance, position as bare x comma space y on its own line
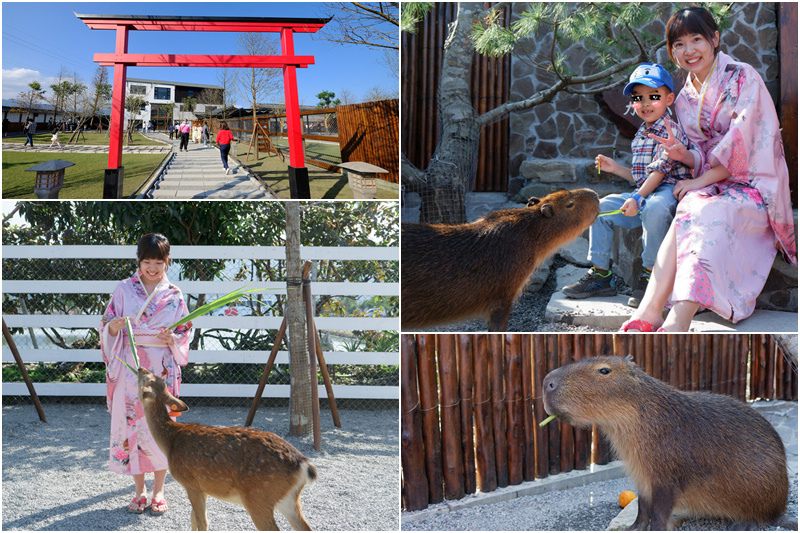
85, 149
198, 173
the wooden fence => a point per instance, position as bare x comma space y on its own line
421, 65
367, 132
471, 404
370, 132
85, 321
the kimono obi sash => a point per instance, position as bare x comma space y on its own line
144, 337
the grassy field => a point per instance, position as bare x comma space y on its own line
82, 181
91, 139
323, 184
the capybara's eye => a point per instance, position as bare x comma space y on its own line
570, 205
604, 371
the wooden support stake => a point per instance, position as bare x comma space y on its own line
23, 371
312, 355
267, 370
326, 377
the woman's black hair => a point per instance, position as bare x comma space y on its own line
223, 125
153, 246
690, 21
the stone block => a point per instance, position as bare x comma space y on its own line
539, 277
549, 170
545, 150
577, 251
537, 189
626, 254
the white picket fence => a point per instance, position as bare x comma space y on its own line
50, 355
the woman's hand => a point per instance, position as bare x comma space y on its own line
167, 336
684, 186
115, 325
673, 148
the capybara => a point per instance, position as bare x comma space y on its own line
454, 272
689, 454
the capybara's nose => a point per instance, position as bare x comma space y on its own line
550, 384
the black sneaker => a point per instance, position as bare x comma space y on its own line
641, 286
591, 284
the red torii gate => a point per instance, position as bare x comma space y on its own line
121, 59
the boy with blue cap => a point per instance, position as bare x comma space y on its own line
652, 205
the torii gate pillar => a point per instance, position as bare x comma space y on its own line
298, 173
112, 181
288, 61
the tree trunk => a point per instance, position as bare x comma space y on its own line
300, 393
451, 174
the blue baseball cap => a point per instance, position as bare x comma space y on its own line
650, 74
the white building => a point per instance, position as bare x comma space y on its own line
167, 93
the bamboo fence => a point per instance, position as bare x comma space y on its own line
471, 403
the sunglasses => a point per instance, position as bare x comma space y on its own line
638, 97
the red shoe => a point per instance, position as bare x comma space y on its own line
158, 507
137, 505
641, 325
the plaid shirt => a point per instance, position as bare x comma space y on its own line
648, 154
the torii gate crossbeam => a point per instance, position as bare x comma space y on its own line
287, 61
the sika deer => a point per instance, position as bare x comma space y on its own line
253, 468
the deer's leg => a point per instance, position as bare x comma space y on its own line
199, 518
290, 507
261, 511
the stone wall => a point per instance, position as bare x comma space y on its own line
553, 145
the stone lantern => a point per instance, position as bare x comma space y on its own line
361, 178
49, 178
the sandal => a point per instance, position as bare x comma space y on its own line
641, 325
140, 504
158, 507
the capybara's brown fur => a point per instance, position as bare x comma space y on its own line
455, 272
691, 454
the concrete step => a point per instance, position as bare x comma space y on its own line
609, 312
198, 173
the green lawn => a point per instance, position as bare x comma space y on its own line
91, 139
82, 181
323, 184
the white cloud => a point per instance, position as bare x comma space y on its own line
16, 80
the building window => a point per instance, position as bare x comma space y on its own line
162, 93
138, 89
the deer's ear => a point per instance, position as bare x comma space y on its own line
177, 406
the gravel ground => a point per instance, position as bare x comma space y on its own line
587, 508
56, 477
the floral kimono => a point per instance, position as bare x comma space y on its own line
728, 233
133, 450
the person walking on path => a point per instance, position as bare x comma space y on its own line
224, 138
54, 139
205, 133
171, 130
29, 130
185, 130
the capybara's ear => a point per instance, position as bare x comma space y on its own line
629, 360
532, 201
547, 210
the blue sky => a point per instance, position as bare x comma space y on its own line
39, 38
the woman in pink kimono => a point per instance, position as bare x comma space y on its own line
151, 303
734, 216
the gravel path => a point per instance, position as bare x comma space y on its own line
56, 477
587, 508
